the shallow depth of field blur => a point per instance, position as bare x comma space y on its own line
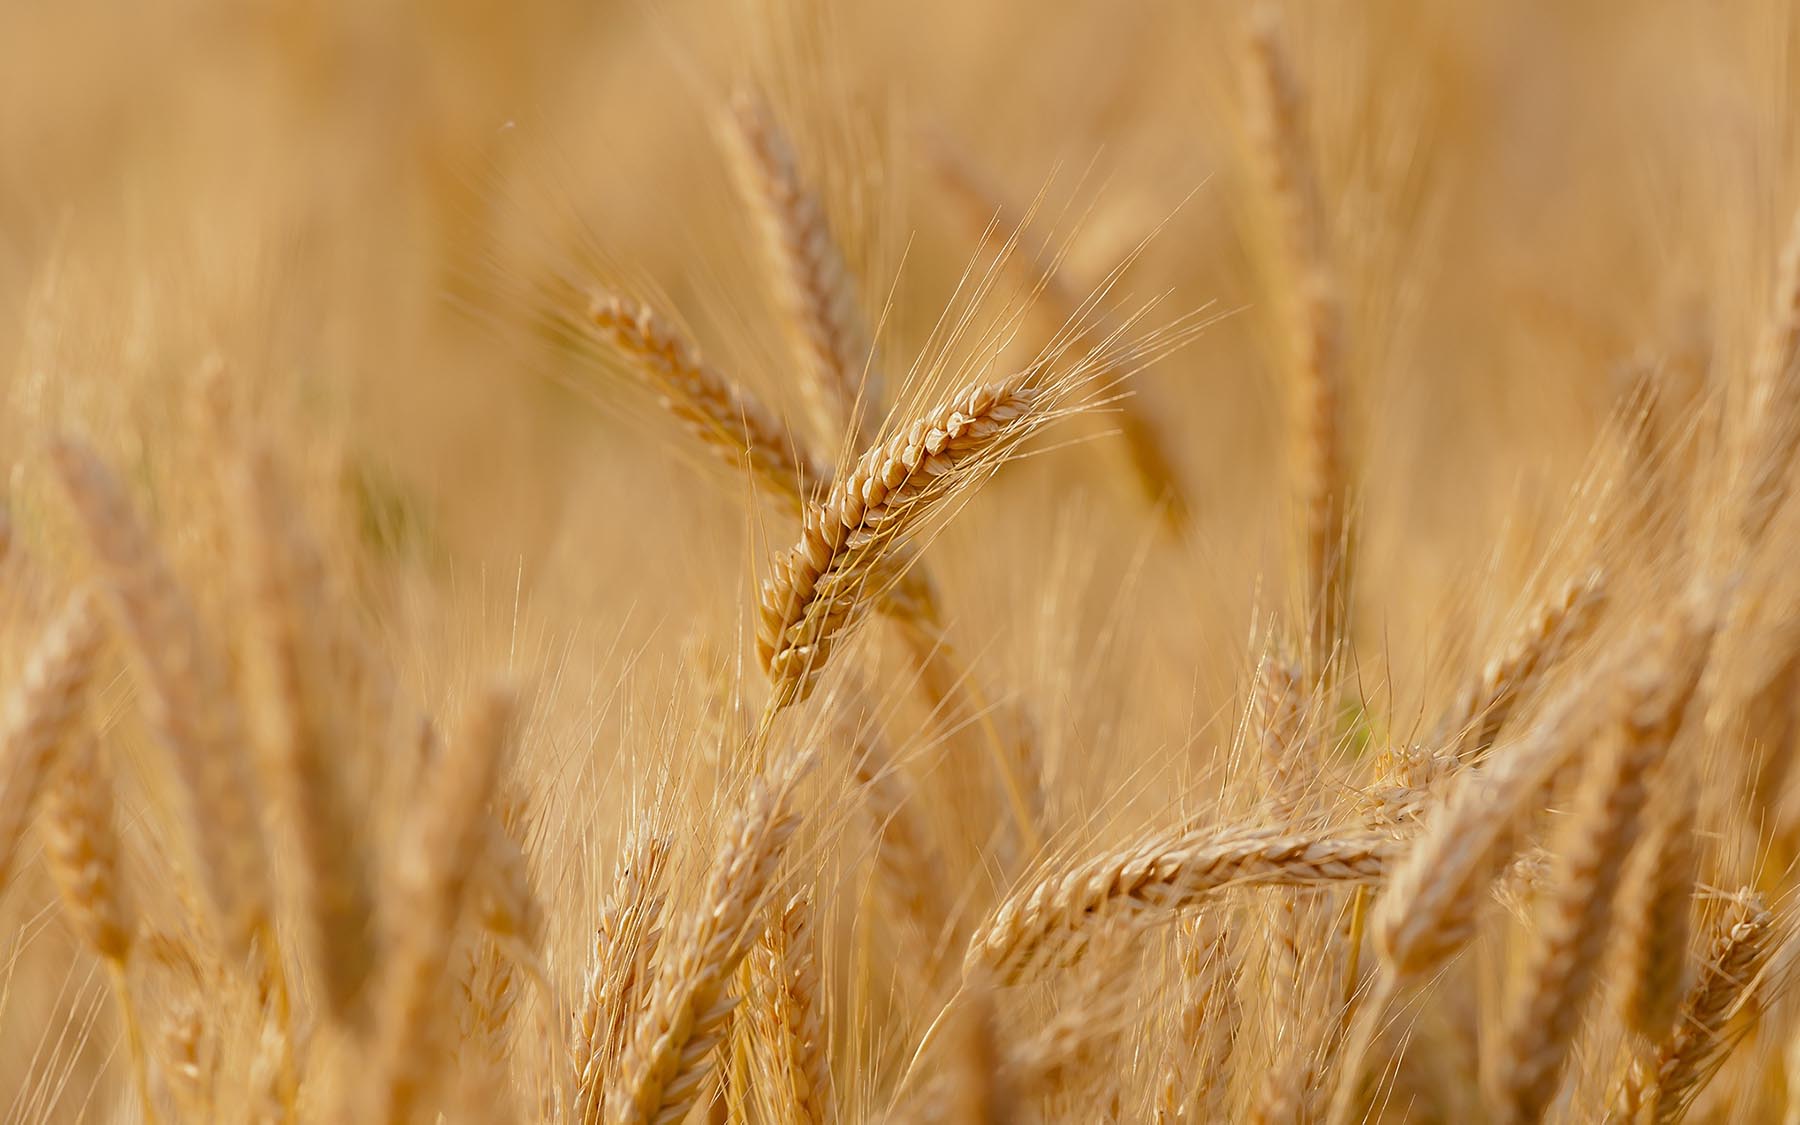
350, 237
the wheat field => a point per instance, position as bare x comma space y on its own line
775, 561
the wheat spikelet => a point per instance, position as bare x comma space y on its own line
785, 1006
300, 726
1047, 921
722, 415
816, 590
1485, 706
1572, 936
1277, 122
624, 948
1661, 1088
41, 714
668, 1055
430, 889
187, 697
838, 384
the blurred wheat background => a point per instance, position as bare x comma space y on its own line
779, 561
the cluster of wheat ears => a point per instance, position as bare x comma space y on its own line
854, 873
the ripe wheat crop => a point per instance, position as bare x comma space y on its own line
790, 563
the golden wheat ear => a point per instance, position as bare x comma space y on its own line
1050, 922
1277, 113
669, 1055
42, 713
839, 382
187, 698
625, 947
1662, 1086
299, 721
1577, 923
817, 591
429, 887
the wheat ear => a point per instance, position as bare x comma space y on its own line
42, 712
431, 885
1572, 936
1660, 1088
816, 592
301, 728
1277, 122
1049, 921
1484, 707
624, 948
838, 385
81, 851
1430, 906
1192, 1085
787, 997
187, 698
1654, 905
669, 1054
724, 416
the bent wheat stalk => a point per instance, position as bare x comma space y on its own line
817, 591
1048, 921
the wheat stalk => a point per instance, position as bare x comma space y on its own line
1152, 464
786, 1008
1485, 706
301, 727
724, 416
